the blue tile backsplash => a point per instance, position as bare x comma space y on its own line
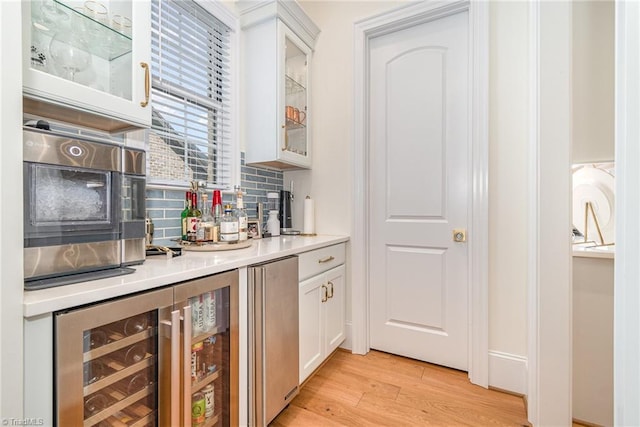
164, 206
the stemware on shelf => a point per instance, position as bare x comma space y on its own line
70, 54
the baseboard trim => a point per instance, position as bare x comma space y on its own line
577, 422
347, 344
508, 372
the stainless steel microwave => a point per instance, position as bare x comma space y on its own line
84, 209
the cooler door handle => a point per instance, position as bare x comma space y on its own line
186, 368
175, 367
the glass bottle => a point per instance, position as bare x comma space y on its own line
228, 226
273, 224
193, 218
217, 205
242, 216
216, 211
207, 227
184, 213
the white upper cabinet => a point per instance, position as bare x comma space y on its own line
88, 62
278, 40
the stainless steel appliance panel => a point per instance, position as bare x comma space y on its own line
273, 300
109, 358
84, 208
133, 225
134, 162
73, 258
45, 147
133, 251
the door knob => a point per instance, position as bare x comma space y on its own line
459, 235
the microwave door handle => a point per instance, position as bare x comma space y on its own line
186, 373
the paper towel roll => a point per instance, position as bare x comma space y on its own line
309, 217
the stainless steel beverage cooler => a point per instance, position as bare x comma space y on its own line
273, 338
162, 358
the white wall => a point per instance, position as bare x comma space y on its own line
593, 83
508, 176
11, 284
329, 181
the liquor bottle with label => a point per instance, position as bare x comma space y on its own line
184, 213
242, 216
228, 226
217, 205
193, 218
207, 230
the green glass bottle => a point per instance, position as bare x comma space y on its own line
183, 214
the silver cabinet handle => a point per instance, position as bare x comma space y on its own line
330, 290
327, 259
324, 293
175, 368
186, 368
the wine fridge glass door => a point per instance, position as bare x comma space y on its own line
109, 361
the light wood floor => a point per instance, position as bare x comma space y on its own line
380, 389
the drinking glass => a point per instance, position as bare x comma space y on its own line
53, 16
121, 24
96, 11
70, 54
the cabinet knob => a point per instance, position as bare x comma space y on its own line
324, 293
330, 292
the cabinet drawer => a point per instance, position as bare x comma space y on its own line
320, 260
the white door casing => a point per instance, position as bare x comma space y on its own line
418, 141
365, 30
626, 345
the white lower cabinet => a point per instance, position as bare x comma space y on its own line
322, 311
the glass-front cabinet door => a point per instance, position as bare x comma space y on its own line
276, 59
295, 83
89, 56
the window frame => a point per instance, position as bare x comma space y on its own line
228, 18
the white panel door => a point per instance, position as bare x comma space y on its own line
419, 168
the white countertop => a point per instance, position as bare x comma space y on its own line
158, 271
590, 251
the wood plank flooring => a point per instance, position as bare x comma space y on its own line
380, 389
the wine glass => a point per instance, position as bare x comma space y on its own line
70, 54
53, 16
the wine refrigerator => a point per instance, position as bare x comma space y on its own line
167, 357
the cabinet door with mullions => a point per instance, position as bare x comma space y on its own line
92, 57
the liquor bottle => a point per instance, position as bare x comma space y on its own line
193, 218
183, 214
217, 205
228, 226
207, 229
242, 216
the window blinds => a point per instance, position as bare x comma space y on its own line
190, 133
